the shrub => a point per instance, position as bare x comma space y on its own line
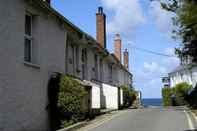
129, 96
166, 94
180, 92
177, 95
191, 98
70, 100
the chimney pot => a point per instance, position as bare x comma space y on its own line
117, 37
100, 10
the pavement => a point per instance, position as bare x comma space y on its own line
148, 119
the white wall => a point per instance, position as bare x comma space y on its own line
121, 97
23, 89
187, 75
96, 97
194, 76
109, 97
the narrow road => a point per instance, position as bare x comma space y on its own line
150, 119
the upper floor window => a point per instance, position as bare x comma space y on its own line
28, 38
110, 72
96, 66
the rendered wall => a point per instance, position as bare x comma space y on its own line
23, 89
189, 76
109, 97
121, 97
96, 97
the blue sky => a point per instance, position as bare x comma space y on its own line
141, 23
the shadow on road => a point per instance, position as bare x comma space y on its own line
191, 130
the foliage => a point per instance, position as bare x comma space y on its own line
166, 94
70, 99
180, 92
185, 20
177, 95
129, 95
192, 98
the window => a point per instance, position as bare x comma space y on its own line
77, 58
83, 56
110, 72
101, 70
96, 66
28, 39
84, 63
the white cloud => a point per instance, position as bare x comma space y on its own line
171, 62
128, 15
150, 74
152, 68
163, 66
163, 18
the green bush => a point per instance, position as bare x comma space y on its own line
191, 98
70, 100
180, 92
166, 94
177, 95
129, 96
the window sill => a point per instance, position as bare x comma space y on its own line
31, 65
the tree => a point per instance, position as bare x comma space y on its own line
185, 21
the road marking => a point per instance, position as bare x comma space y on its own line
191, 125
194, 116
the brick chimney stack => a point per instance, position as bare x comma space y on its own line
126, 59
101, 27
118, 47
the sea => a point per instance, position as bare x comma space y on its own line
152, 102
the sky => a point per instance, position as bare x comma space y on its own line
141, 24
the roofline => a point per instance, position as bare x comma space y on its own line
122, 66
64, 19
188, 67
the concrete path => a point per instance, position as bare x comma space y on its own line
150, 119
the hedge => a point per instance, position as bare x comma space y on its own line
166, 94
180, 92
70, 100
129, 96
177, 95
192, 98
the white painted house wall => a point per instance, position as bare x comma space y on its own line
186, 75
23, 88
96, 97
110, 96
95, 94
121, 97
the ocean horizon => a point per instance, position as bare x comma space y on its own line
152, 101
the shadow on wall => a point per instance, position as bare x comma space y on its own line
191, 130
103, 99
53, 90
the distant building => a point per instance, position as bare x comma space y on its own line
166, 81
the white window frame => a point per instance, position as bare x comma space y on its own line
30, 38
